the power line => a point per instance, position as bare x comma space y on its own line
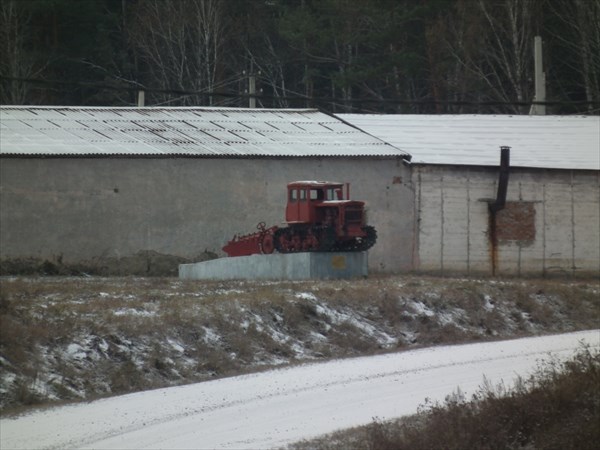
298, 97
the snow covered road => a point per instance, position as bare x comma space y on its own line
273, 408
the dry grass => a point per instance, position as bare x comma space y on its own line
65, 338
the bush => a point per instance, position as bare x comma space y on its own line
557, 408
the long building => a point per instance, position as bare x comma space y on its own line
550, 223
133, 190
137, 190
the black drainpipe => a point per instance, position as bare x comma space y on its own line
498, 204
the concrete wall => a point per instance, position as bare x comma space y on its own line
293, 266
551, 223
98, 211
95, 209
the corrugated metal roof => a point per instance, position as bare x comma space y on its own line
552, 142
201, 132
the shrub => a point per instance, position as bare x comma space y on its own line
558, 407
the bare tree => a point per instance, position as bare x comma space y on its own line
582, 18
459, 34
502, 61
179, 43
15, 61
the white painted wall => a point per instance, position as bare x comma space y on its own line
453, 221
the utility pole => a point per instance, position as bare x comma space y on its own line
251, 90
540, 79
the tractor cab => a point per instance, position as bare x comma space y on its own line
305, 196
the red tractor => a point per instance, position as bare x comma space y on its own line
320, 217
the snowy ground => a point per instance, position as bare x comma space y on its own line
277, 407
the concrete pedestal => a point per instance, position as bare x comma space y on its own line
292, 266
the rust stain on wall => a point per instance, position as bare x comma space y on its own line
493, 240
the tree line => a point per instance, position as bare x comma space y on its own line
389, 56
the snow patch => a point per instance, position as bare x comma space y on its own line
338, 317
488, 304
211, 336
134, 312
421, 309
175, 345
76, 351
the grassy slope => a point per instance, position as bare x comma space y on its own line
64, 339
